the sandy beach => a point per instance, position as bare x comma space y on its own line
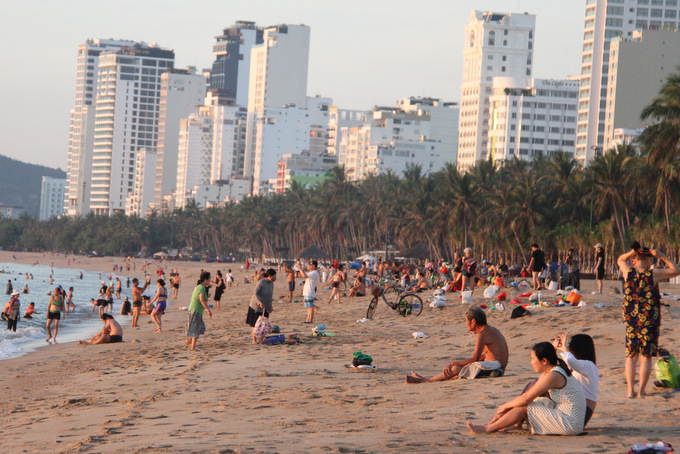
151, 394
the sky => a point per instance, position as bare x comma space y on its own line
363, 53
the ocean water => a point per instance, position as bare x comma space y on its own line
31, 333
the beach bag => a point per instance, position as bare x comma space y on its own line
668, 372
438, 302
490, 291
361, 359
262, 326
552, 285
466, 297
574, 298
275, 339
501, 296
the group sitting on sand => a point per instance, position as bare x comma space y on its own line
111, 333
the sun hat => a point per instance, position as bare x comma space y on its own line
600, 245
15, 293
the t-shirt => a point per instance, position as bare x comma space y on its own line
309, 290
600, 258
195, 304
539, 260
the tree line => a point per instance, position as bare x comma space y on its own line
624, 194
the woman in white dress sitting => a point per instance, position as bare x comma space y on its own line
562, 413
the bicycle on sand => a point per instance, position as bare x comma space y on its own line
407, 303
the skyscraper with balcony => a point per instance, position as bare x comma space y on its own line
496, 44
605, 20
127, 112
81, 126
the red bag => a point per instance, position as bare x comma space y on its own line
501, 296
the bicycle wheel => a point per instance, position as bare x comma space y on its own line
371, 307
410, 304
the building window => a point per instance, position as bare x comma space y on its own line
492, 38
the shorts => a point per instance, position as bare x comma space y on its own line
160, 306
175, 285
136, 304
467, 273
309, 301
54, 316
291, 286
102, 303
600, 273
335, 284
115, 338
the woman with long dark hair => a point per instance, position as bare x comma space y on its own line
562, 413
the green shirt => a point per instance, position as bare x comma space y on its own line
195, 304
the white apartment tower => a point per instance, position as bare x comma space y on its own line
52, 198
81, 126
127, 113
278, 78
142, 195
604, 21
650, 56
182, 93
195, 153
496, 44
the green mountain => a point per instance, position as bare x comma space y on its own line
20, 183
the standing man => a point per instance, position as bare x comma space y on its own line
291, 281
536, 265
137, 299
309, 289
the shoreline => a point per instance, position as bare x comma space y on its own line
152, 394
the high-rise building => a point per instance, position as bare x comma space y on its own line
604, 21
195, 153
142, 194
182, 92
230, 75
52, 198
81, 126
531, 117
127, 112
339, 120
496, 44
278, 79
650, 56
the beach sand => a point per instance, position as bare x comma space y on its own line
151, 394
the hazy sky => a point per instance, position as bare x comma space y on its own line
363, 52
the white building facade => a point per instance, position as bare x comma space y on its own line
650, 56
141, 198
496, 45
127, 113
278, 82
81, 125
606, 20
52, 198
531, 117
396, 138
195, 154
182, 92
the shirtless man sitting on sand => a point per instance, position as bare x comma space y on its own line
489, 358
110, 334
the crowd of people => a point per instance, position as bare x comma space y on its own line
561, 400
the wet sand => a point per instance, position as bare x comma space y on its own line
151, 394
